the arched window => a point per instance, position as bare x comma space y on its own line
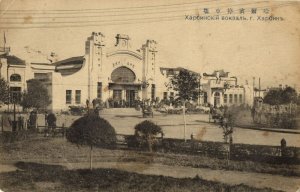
15, 77
123, 75
217, 99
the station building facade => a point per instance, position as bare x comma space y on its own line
119, 73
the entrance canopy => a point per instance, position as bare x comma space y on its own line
125, 86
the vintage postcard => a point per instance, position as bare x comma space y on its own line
136, 95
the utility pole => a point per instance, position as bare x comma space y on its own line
259, 87
184, 119
14, 124
7, 78
199, 91
253, 90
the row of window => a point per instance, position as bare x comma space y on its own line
233, 98
166, 95
69, 96
78, 94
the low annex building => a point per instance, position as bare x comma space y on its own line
220, 89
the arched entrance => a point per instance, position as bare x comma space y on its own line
123, 75
125, 90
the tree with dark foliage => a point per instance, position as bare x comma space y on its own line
4, 91
36, 95
93, 131
186, 84
147, 131
281, 96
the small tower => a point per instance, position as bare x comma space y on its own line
122, 41
94, 54
149, 68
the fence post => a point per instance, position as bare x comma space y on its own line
2, 127
64, 131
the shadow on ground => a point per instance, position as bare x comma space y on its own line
126, 116
43, 177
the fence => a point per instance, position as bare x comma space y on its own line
274, 154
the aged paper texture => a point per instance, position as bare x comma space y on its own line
133, 95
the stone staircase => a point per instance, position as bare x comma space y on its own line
121, 111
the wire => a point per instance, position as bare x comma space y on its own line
127, 21
108, 9
114, 15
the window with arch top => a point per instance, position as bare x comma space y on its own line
15, 77
123, 75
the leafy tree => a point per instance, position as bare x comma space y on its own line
289, 95
36, 95
147, 130
281, 96
273, 97
4, 91
93, 131
186, 84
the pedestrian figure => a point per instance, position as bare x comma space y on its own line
51, 121
32, 119
283, 147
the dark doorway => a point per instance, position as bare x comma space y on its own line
130, 97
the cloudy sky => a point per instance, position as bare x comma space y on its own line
265, 49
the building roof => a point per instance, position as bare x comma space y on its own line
13, 60
70, 61
222, 73
173, 69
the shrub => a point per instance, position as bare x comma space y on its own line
145, 133
92, 130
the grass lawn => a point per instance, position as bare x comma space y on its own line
58, 150
42, 177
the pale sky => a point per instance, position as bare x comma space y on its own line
265, 49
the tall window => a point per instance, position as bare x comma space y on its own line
117, 95
235, 98
230, 98
68, 96
165, 95
217, 99
172, 96
78, 96
225, 98
15, 94
241, 98
153, 92
99, 90
15, 77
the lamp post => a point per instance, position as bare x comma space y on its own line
8, 82
199, 90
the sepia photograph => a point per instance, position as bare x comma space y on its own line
149, 96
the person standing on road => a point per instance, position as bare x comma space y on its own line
51, 121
